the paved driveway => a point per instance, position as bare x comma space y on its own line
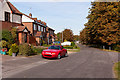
88, 63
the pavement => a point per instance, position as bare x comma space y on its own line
88, 63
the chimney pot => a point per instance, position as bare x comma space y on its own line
30, 15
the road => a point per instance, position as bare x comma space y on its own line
88, 63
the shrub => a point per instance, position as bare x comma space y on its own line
10, 52
72, 44
3, 44
76, 47
25, 49
14, 32
117, 48
68, 47
37, 50
14, 48
7, 36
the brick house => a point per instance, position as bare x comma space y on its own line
12, 17
23, 34
38, 29
29, 30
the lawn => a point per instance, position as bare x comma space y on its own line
117, 70
73, 50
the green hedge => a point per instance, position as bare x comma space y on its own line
68, 47
37, 50
117, 48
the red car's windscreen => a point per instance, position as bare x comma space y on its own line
54, 47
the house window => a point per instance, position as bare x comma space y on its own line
7, 16
25, 37
38, 28
35, 28
42, 29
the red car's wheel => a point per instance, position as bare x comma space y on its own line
59, 56
66, 54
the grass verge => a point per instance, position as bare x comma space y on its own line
74, 50
117, 70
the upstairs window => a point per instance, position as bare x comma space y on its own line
38, 28
7, 16
42, 29
35, 27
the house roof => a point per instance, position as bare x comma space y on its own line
22, 28
13, 8
38, 34
34, 19
51, 29
39, 21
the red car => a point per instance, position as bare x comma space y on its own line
55, 51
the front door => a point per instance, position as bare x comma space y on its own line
25, 37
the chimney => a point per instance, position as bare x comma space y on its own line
30, 15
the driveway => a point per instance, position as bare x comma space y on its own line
88, 63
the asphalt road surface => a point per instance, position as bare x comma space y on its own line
88, 63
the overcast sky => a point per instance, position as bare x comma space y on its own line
58, 15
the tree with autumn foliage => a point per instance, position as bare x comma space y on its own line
59, 36
76, 37
103, 26
68, 35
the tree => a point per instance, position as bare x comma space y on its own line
14, 32
7, 36
68, 35
59, 36
76, 37
103, 24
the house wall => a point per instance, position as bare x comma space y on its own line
29, 25
8, 25
15, 20
21, 37
33, 40
26, 19
6, 8
13, 17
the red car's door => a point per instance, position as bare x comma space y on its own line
63, 51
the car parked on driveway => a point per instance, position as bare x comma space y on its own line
55, 51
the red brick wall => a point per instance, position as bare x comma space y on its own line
33, 40
8, 25
29, 25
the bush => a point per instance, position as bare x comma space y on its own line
68, 47
117, 48
7, 36
14, 48
76, 47
37, 50
25, 49
72, 44
3, 44
10, 52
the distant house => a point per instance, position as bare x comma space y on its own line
11, 16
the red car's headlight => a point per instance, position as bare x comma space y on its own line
43, 52
53, 53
